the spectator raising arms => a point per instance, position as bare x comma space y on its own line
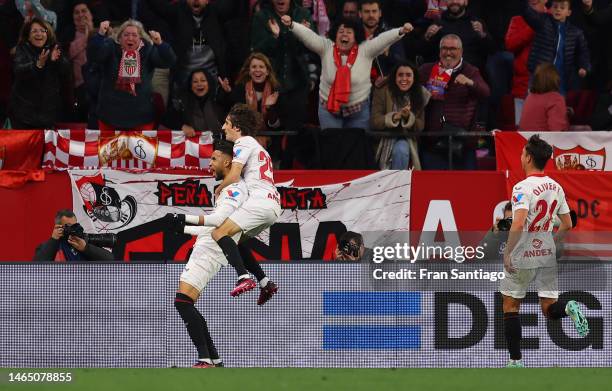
545, 107
559, 42
39, 68
346, 62
127, 62
399, 106
195, 107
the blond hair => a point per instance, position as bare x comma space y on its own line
131, 22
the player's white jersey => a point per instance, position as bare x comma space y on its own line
543, 198
231, 198
257, 170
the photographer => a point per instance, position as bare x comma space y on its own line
350, 247
66, 244
495, 240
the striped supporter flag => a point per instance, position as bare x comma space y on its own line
86, 149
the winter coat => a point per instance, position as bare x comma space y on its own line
519, 39
117, 107
545, 44
35, 97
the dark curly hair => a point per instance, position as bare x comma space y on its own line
224, 146
355, 25
245, 119
415, 92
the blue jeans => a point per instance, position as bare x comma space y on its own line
359, 120
400, 155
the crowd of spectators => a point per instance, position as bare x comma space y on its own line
403, 68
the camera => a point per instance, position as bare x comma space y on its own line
349, 248
504, 224
98, 240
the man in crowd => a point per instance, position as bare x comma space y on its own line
370, 13
456, 88
69, 248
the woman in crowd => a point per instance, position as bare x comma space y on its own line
544, 107
195, 108
75, 39
39, 69
256, 86
346, 62
399, 106
127, 63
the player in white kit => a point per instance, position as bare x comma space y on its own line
253, 163
530, 252
207, 257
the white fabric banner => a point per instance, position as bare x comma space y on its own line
113, 200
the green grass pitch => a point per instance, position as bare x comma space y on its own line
293, 379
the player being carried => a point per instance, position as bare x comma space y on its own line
207, 257
259, 211
530, 253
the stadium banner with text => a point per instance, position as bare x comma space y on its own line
20, 152
571, 150
325, 315
72, 148
315, 211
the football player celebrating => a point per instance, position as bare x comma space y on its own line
530, 251
207, 258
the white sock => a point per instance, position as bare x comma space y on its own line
242, 277
192, 219
217, 361
264, 281
206, 360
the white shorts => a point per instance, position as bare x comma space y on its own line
256, 215
199, 271
546, 281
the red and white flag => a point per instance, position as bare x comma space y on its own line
72, 148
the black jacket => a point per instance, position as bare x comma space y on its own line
46, 252
180, 19
475, 48
35, 96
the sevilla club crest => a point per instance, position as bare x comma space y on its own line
579, 158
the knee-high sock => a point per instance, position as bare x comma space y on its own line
230, 250
251, 263
196, 325
512, 331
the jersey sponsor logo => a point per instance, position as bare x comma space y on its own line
536, 243
237, 152
538, 253
516, 198
233, 194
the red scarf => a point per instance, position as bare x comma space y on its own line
438, 81
267, 91
341, 89
129, 71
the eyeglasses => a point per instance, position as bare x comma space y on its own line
34, 31
449, 49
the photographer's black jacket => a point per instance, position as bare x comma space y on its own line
46, 252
